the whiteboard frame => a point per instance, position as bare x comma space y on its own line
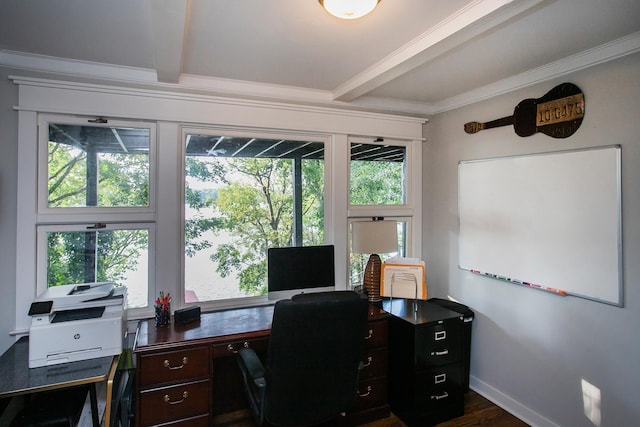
618, 301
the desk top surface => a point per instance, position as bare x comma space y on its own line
418, 312
215, 327
17, 378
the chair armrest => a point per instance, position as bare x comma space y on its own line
250, 363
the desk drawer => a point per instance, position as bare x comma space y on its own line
174, 366
371, 393
167, 404
375, 363
377, 334
200, 421
231, 348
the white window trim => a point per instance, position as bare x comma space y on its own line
411, 210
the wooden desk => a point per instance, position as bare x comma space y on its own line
186, 374
16, 378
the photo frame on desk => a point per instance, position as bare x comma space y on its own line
403, 281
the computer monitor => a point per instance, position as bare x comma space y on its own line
298, 269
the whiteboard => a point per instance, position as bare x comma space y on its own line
550, 221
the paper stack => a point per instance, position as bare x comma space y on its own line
403, 278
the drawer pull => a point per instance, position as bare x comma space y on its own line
440, 378
440, 335
440, 352
167, 364
368, 363
365, 394
444, 395
233, 350
368, 337
167, 398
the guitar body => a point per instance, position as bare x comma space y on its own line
558, 114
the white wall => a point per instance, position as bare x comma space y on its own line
531, 350
8, 185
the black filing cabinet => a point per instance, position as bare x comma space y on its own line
426, 364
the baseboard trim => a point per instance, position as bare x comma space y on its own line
509, 404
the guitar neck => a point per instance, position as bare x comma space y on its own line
474, 127
504, 121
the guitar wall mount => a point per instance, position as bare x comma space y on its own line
557, 114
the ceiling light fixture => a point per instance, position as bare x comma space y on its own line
349, 9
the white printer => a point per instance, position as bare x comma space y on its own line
77, 322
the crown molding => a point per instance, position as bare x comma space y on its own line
76, 68
191, 85
589, 58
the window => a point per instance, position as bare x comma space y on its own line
86, 186
378, 176
95, 204
244, 194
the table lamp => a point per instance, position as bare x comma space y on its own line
373, 237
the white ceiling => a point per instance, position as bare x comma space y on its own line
416, 57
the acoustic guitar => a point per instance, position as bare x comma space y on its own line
558, 114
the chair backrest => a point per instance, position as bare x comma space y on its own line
315, 348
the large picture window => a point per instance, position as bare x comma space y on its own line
244, 194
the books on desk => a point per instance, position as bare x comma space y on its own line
403, 278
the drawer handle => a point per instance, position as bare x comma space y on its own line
368, 337
233, 350
369, 360
440, 378
440, 352
444, 395
365, 394
167, 364
167, 398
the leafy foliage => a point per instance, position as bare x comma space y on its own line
376, 183
256, 208
86, 256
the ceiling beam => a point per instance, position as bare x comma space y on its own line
478, 17
169, 22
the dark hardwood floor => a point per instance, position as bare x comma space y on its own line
478, 411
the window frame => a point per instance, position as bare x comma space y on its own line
409, 207
48, 214
68, 218
41, 255
405, 212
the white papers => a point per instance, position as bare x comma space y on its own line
403, 278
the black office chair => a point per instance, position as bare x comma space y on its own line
310, 375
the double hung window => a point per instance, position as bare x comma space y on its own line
95, 218
378, 189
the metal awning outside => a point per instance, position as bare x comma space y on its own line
106, 139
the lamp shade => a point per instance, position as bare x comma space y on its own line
374, 237
349, 9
